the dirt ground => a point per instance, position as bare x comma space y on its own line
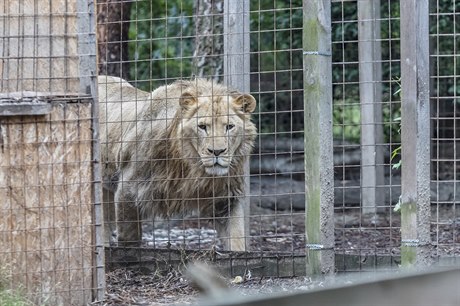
127, 287
270, 232
277, 227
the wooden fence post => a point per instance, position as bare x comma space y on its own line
319, 167
88, 80
370, 94
237, 72
415, 133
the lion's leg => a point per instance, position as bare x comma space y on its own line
108, 204
231, 231
128, 219
222, 232
236, 228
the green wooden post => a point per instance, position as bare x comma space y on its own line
318, 136
415, 133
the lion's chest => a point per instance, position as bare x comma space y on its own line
210, 196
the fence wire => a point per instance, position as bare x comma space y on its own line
366, 98
189, 42
48, 134
445, 91
49, 155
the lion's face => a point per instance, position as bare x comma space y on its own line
215, 130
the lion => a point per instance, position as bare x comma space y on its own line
177, 150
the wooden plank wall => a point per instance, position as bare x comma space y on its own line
47, 190
39, 46
46, 205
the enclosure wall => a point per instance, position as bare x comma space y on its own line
46, 207
49, 250
188, 41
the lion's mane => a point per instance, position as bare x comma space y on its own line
148, 158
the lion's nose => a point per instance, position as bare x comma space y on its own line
216, 152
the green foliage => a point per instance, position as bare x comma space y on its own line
347, 118
276, 58
9, 297
160, 43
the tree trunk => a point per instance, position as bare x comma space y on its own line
112, 37
209, 43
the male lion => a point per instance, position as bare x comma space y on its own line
179, 149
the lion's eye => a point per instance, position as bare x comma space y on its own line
230, 127
202, 127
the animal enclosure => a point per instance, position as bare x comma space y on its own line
354, 166
259, 47
48, 177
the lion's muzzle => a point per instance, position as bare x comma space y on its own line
216, 165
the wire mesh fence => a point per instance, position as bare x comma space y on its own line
444, 66
194, 39
205, 123
190, 40
48, 181
367, 114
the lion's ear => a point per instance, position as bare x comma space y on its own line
187, 100
246, 102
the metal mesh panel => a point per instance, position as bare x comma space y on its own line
191, 40
49, 181
444, 38
362, 229
185, 174
366, 98
155, 44
277, 186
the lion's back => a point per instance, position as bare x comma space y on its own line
119, 106
130, 118
138, 142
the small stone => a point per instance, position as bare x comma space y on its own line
237, 280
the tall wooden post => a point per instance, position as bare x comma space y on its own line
319, 167
415, 132
370, 94
88, 79
236, 72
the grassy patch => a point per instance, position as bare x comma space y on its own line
10, 297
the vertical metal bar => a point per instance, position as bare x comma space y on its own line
370, 94
415, 133
236, 73
319, 167
88, 78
